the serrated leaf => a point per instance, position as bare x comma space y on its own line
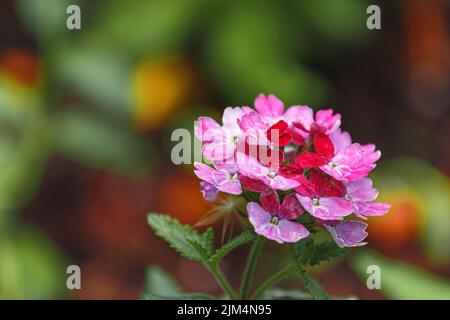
303, 251
240, 240
313, 286
185, 240
326, 251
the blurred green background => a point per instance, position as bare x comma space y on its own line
86, 117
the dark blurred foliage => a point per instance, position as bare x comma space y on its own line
86, 118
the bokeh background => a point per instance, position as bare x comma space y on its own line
86, 117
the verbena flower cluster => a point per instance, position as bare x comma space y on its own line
302, 158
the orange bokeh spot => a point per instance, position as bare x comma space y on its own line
400, 225
180, 197
160, 87
22, 66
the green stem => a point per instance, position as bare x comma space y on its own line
222, 281
277, 277
251, 263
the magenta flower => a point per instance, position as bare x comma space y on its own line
351, 163
224, 177
271, 148
219, 142
361, 193
348, 233
269, 174
272, 110
325, 121
272, 220
322, 198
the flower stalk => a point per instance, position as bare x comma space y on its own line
250, 267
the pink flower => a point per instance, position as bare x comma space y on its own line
340, 139
272, 110
224, 177
272, 220
209, 192
269, 174
361, 193
322, 197
348, 233
351, 163
325, 121
219, 142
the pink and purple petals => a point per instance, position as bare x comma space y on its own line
354, 162
224, 178
340, 139
348, 233
219, 142
372, 209
274, 224
209, 192
270, 148
327, 121
327, 208
252, 168
205, 128
361, 190
290, 231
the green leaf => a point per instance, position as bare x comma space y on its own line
243, 238
186, 241
326, 251
306, 252
313, 287
400, 280
160, 282
303, 251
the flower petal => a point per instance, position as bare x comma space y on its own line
270, 201
209, 192
310, 160
252, 184
291, 208
269, 106
291, 232
373, 209
204, 172
349, 233
361, 190
258, 217
323, 145
205, 127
